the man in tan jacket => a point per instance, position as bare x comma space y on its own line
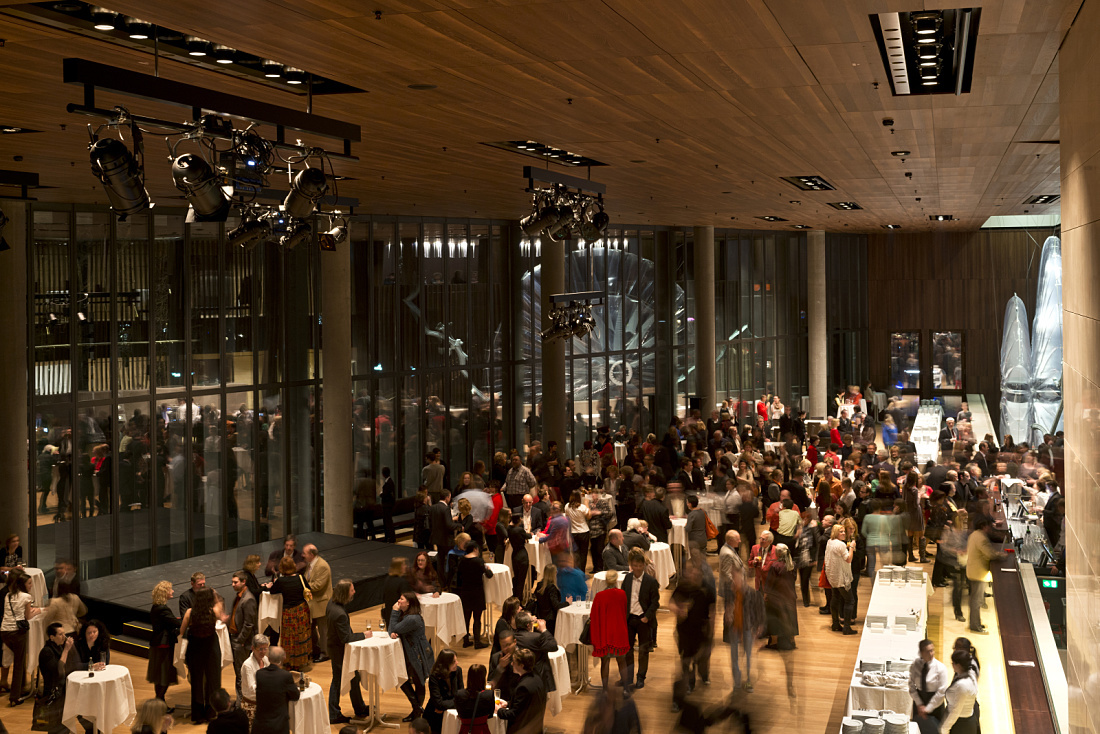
319, 576
979, 552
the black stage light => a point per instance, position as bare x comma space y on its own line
339, 233
121, 176
194, 177
249, 233
306, 190
539, 220
559, 229
296, 235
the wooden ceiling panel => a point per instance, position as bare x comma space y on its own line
712, 95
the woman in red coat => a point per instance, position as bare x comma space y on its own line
607, 625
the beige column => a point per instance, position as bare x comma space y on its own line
815, 323
705, 385
336, 376
554, 412
14, 435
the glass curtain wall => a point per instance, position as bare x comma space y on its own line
760, 313
847, 317
163, 364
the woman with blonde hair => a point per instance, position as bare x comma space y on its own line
548, 597
152, 718
162, 644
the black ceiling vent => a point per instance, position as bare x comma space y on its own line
809, 183
547, 153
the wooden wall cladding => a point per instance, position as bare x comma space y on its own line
950, 281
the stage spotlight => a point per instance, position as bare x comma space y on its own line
305, 191
537, 221
296, 235
271, 69
121, 176
198, 182
103, 19
249, 233
559, 230
339, 233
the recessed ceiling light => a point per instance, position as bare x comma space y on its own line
295, 75
809, 183
223, 54
941, 217
10, 130
197, 46
271, 69
899, 153
844, 205
771, 218
139, 30
801, 226
891, 226
1044, 199
422, 87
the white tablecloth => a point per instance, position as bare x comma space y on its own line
715, 507
179, 656
559, 664
538, 555
36, 639
443, 614
677, 534
37, 586
271, 612
662, 562
380, 656
571, 622
892, 643
451, 723
107, 698
499, 587
620, 453
309, 714
599, 582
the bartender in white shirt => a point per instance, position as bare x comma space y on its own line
928, 682
962, 694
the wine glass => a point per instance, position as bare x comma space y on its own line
369, 632
382, 626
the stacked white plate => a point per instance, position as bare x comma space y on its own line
898, 666
874, 726
896, 724
851, 726
914, 573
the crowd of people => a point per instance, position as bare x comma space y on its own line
801, 508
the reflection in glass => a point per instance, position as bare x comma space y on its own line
132, 303
91, 308
270, 436
240, 484
133, 464
205, 304
166, 302
946, 360
905, 360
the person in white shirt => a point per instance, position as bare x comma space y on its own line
255, 661
961, 696
928, 681
838, 570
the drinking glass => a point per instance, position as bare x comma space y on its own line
369, 632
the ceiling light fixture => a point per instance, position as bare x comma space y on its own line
271, 69
548, 153
139, 30
941, 217
801, 226
294, 75
250, 232
197, 46
307, 188
121, 174
224, 54
891, 226
103, 19
772, 218
300, 233
200, 186
844, 205
899, 153
1044, 199
809, 183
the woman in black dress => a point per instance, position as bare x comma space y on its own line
548, 597
471, 590
473, 703
204, 654
506, 622
251, 565
162, 644
444, 682
421, 513
521, 562
93, 645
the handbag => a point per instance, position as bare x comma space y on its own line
305, 589
48, 709
21, 625
712, 532
586, 632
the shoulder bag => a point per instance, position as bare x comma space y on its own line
21, 625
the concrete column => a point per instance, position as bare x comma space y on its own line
815, 318
705, 385
555, 416
14, 498
336, 375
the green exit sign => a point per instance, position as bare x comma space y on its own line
1051, 583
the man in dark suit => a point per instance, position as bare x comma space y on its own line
242, 623
654, 512
340, 634
501, 674
540, 512
948, 435
187, 598
290, 550
614, 553
540, 643
442, 528
526, 711
228, 720
634, 538
275, 689
643, 596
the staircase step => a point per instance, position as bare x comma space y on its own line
138, 630
130, 645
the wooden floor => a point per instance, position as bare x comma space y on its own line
820, 669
